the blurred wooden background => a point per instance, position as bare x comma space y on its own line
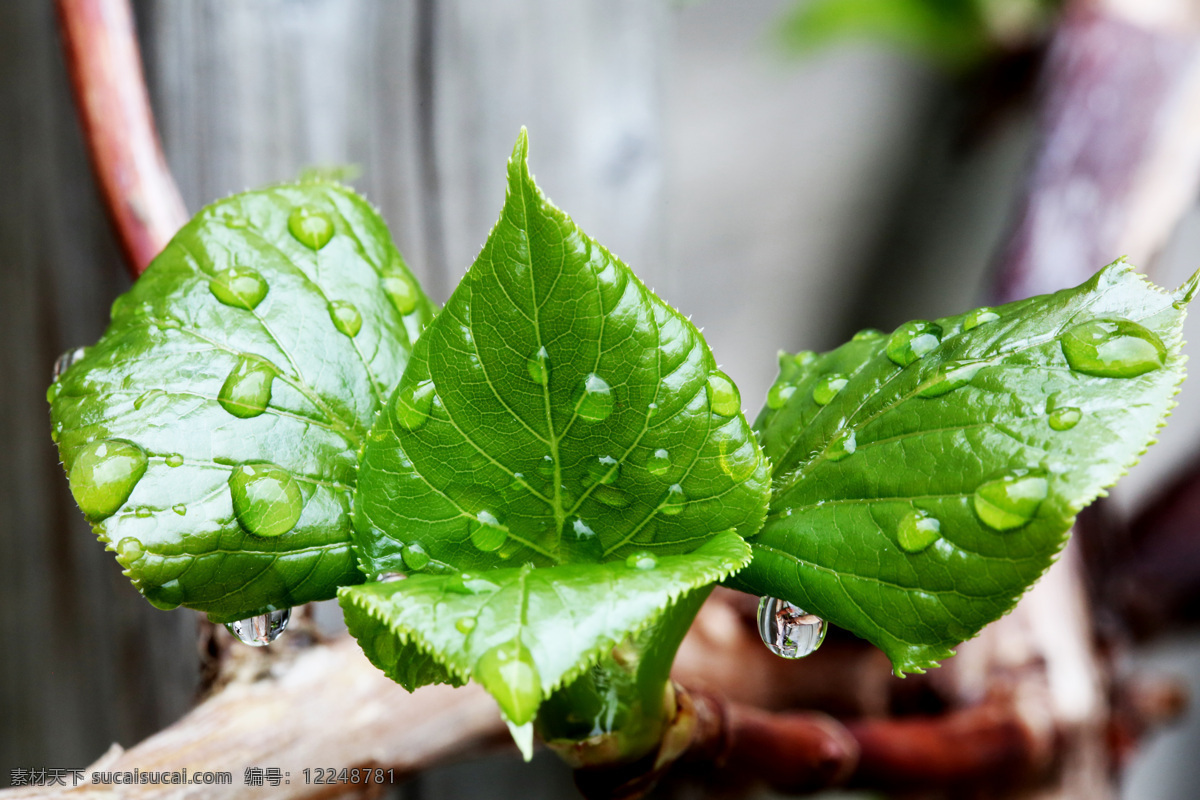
781, 203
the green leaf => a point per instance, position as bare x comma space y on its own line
914, 504
212, 433
523, 632
555, 411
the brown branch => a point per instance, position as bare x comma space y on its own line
105, 68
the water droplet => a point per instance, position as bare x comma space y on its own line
674, 501
659, 462
1065, 418
917, 531
1113, 348
240, 287
179, 508
103, 475
236, 222
980, 316
261, 629
413, 403
868, 335
165, 597
510, 675
545, 467
951, 376
465, 625
469, 583
415, 557
583, 543
246, 392
146, 397
266, 499
401, 290
788, 630
345, 318
604, 469
804, 358
642, 561
1010, 502
611, 496
64, 362
129, 550
779, 394
828, 387
143, 512
651, 410
311, 227
912, 340
723, 396
594, 399
174, 460
842, 446
487, 531
539, 367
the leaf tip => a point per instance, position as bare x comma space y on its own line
520, 153
1184, 294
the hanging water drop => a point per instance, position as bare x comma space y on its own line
913, 340
594, 399
582, 543
103, 475
980, 316
1113, 348
828, 387
1010, 502
917, 531
413, 403
659, 462
604, 469
723, 397
539, 367
246, 392
788, 630
345, 318
261, 629
266, 499
674, 501
310, 226
510, 675
239, 287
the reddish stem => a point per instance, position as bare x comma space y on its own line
105, 69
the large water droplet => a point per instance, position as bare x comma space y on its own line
641, 560
723, 396
402, 291
103, 475
412, 405
266, 499
487, 531
604, 469
674, 501
129, 550
510, 675
980, 316
788, 630
312, 227
64, 362
912, 340
240, 287
951, 376
345, 318
842, 446
583, 543
539, 367
828, 387
415, 557
464, 625
180, 509
1113, 348
246, 392
262, 629
1065, 418
174, 460
1010, 502
779, 394
917, 531
594, 399
147, 397
659, 462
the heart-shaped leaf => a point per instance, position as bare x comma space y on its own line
924, 480
211, 435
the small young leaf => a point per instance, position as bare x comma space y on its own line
523, 632
211, 435
556, 410
917, 501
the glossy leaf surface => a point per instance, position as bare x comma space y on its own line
917, 503
523, 632
212, 433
